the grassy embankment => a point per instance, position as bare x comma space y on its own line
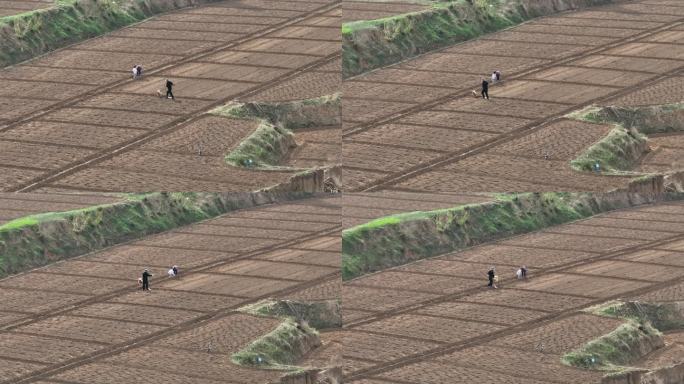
30, 34
280, 349
399, 239
370, 44
37, 240
639, 335
623, 147
277, 123
294, 337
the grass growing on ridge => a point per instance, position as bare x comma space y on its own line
321, 314
264, 148
631, 341
618, 151
279, 349
32, 33
615, 350
39, 239
36, 219
398, 239
274, 137
627, 142
663, 316
369, 44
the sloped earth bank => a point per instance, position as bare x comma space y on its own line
627, 143
281, 348
633, 344
37, 240
519, 140
33, 33
399, 239
276, 139
376, 43
275, 136
293, 339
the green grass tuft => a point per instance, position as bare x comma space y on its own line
319, 314
627, 142
615, 350
273, 138
265, 147
630, 342
664, 316
616, 152
279, 349
37, 219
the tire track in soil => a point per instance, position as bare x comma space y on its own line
452, 157
108, 153
115, 349
475, 341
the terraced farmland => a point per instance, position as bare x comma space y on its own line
415, 126
75, 120
85, 320
435, 320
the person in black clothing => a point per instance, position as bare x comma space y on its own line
138, 71
490, 275
523, 272
146, 280
175, 270
169, 87
485, 89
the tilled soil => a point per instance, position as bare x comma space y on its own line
75, 320
11, 7
435, 329
96, 129
365, 10
316, 147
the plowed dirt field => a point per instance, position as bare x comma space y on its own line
75, 120
415, 126
435, 320
85, 320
